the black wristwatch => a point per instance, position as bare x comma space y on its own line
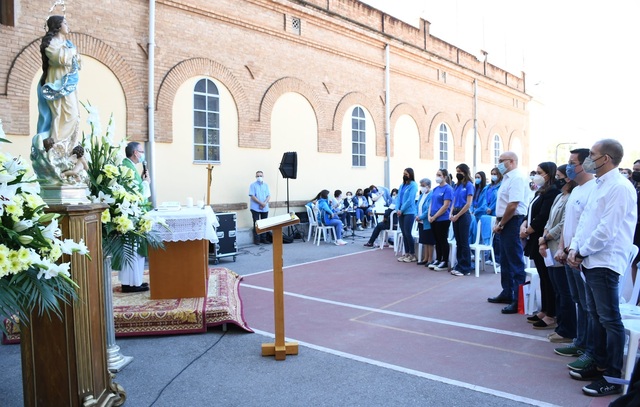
566, 250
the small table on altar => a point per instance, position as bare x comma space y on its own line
181, 270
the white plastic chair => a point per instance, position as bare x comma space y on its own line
628, 290
313, 223
398, 240
478, 248
452, 246
322, 230
415, 233
533, 304
384, 235
630, 314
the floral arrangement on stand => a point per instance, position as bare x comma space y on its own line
31, 274
127, 227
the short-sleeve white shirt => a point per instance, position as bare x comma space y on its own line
512, 189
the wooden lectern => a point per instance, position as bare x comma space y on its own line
279, 349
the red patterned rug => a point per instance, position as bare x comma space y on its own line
136, 314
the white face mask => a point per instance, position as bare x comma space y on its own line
424, 189
538, 180
438, 180
259, 179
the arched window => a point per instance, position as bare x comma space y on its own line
358, 138
206, 122
443, 136
497, 149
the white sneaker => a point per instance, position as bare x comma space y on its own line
401, 258
488, 263
340, 242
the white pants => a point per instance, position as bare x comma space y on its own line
131, 274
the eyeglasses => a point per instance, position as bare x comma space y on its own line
505, 159
140, 151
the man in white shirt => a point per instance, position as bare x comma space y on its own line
601, 246
510, 210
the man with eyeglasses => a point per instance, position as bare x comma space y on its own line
601, 247
510, 210
131, 274
259, 205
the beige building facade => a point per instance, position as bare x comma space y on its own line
239, 82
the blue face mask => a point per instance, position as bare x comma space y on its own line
478, 180
142, 157
571, 171
494, 178
502, 168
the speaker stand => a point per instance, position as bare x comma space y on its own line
292, 231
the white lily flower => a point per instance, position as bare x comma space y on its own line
22, 225
7, 192
68, 246
31, 187
51, 231
125, 208
102, 197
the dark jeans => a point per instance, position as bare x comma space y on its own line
608, 330
496, 247
441, 233
405, 223
565, 307
579, 296
463, 252
257, 216
376, 231
511, 259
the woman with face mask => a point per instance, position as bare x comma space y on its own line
439, 211
492, 199
478, 204
425, 237
531, 230
461, 219
406, 211
547, 246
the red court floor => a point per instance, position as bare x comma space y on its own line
370, 307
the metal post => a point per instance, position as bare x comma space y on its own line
387, 120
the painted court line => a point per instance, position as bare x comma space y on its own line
440, 379
302, 264
404, 315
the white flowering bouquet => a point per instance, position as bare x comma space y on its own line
126, 224
31, 274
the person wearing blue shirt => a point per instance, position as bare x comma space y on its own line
259, 205
461, 219
329, 217
425, 234
406, 210
439, 219
491, 197
479, 203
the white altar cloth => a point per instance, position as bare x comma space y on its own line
187, 224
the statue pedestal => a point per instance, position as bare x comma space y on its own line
64, 361
64, 194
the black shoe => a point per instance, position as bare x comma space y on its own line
601, 388
134, 288
144, 285
421, 263
511, 308
589, 373
499, 300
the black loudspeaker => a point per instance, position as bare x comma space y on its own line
289, 165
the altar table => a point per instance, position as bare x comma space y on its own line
182, 268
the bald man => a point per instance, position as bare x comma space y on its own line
510, 210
